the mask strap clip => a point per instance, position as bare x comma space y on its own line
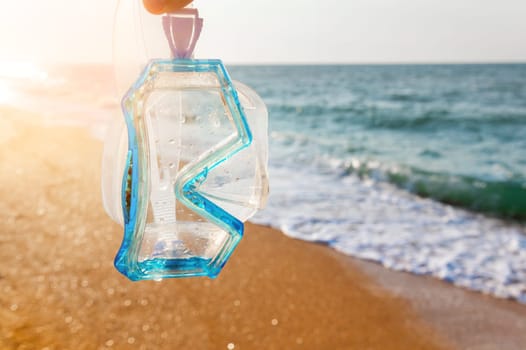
182, 29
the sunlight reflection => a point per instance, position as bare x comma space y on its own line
5, 92
16, 76
21, 70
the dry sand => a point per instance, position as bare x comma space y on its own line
59, 290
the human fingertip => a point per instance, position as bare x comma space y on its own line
155, 7
174, 5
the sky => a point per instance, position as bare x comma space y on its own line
285, 31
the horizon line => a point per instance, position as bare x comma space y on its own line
394, 63
300, 63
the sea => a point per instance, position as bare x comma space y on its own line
420, 168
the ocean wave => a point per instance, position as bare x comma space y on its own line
440, 119
380, 114
315, 109
377, 221
409, 96
504, 199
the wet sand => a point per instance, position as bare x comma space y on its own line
59, 290
466, 319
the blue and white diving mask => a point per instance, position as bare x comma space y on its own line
188, 166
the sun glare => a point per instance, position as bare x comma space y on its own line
5, 92
21, 70
16, 74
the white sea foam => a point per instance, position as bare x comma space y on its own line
379, 222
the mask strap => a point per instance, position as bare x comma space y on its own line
182, 29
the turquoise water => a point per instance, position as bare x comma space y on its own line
455, 133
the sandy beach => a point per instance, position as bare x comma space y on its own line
60, 290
